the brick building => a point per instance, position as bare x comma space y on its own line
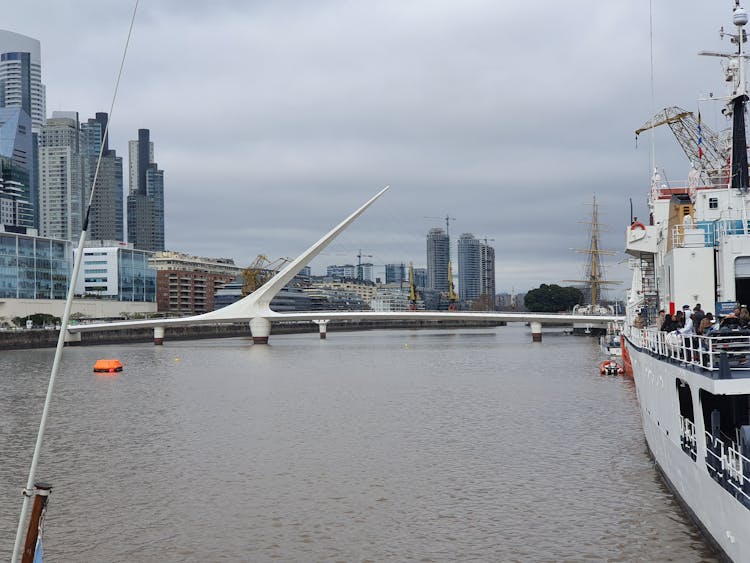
186, 285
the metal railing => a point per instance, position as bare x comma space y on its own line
688, 438
728, 467
707, 233
715, 353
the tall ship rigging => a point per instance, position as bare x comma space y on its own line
694, 386
594, 281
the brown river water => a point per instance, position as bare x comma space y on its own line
433, 445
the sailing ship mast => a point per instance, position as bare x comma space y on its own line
595, 268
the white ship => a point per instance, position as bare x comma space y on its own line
694, 390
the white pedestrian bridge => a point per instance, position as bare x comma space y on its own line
255, 308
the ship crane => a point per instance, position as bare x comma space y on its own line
700, 143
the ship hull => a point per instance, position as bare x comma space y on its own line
722, 518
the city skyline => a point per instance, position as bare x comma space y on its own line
292, 124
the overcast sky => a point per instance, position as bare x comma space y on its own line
274, 120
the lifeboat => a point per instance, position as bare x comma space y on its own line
610, 367
107, 366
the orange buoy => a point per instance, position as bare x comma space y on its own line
107, 366
637, 225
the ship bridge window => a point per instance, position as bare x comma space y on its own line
713, 202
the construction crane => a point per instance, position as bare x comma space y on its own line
700, 143
360, 274
447, 220
413, 295
259, 272
452, 295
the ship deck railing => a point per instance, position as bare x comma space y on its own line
707, 233
728, 467
723, 354
688, 437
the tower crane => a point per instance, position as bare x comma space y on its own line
259, 272
702, 145
360, 273
447, 220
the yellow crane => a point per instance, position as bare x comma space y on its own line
413, 295
259, 272
452, 295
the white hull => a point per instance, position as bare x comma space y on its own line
724, 519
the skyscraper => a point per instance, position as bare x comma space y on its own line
21, 76
488, 272
469, 267
476, 269
420, 278
21, 87
146, 197
438, 256
395, 273
15, 168
106, 218
61, 189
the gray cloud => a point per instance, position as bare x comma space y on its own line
273, 121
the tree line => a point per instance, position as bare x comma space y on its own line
552, 298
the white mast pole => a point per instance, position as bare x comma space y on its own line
28, 491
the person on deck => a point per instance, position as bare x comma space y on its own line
687, 328
732, 320
699, 315
680, 319
660, 321
744, 317
706, 324
639, 321
670, 323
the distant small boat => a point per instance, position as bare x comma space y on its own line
610, 341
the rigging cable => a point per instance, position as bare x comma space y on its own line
66, 313
653, 97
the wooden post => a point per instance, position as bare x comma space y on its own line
41, 496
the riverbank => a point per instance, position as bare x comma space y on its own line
47, 338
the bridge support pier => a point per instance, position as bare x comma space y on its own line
322, 327
158, 335
536, 331
260, 328
72, 338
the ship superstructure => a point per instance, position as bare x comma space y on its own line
694, 389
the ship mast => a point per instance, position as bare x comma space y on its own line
595, 269
735, 77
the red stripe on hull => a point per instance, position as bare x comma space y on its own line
626, 365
